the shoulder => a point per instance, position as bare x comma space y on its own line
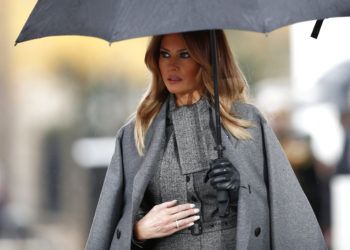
247, 111
126, 131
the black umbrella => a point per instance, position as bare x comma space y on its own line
115, 20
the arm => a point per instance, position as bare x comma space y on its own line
135, 242
142, 211
110, 203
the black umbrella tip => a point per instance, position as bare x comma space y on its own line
18, 40
316, 29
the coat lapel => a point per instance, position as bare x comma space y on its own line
155, 143
243, 216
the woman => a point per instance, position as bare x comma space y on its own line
154, 195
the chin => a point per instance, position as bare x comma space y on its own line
176, 90
180, 89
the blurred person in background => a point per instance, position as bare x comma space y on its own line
343, 166
155, 186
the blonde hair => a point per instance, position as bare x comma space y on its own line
232, 84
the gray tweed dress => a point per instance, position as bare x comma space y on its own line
190, 146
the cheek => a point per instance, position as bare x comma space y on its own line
193, 71
161, 67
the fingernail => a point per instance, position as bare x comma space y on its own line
191, 224
174, 200
196, 217
192, 205
196, 210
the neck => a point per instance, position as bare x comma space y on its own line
188, 98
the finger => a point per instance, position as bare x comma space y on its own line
221, 165
182, 223
166, 204
184, 214
174, 229
178, 208
219, 171
220, 162
222, 186
219, 179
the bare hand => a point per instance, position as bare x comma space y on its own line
160, 221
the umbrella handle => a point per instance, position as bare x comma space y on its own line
223, 200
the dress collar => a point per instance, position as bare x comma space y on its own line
202, 104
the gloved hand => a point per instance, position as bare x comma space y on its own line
223, 176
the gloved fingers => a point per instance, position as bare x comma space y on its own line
223, 175
225, 186
229, 170
233, 186
220, 163
219, 179
222, 186
219, 171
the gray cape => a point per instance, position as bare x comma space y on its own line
273, 211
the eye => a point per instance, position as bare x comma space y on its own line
164, 54
184, 54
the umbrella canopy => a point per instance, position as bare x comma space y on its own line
334, 87
114, 20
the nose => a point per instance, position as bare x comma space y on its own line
173, 64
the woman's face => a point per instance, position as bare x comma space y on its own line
177, 68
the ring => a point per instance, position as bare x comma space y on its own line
177, 224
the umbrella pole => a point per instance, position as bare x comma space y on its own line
219, 148
222, 196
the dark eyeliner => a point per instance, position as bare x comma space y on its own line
184, 54
164, 54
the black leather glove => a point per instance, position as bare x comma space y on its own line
223, 176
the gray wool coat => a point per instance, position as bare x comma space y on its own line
273, 212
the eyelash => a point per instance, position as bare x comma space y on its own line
183, 55
164, 54
187, 55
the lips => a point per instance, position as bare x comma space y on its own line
174, 78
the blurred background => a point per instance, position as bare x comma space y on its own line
62, 100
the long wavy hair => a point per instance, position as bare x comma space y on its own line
232, 84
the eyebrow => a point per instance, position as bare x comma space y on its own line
180, 50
